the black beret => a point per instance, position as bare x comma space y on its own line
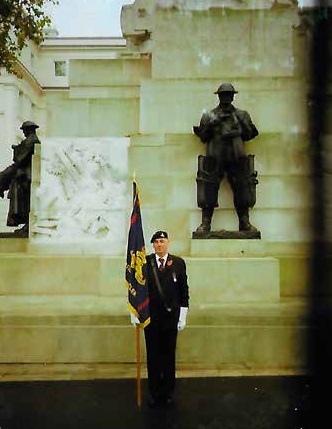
158, 234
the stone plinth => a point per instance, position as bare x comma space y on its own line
227, 248
218, 279
226, 235
68, 275
233, 280
251, 337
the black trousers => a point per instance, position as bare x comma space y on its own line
160, 350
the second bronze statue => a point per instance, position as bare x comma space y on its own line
16, 179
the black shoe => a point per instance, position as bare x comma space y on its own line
152, 403
22, 232
169, 400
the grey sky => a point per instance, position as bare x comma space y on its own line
87, 18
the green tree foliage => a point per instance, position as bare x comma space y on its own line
20, 21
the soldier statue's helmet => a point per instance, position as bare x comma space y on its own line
226, 87
29, 124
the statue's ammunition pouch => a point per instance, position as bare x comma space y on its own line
245, 195
207, 182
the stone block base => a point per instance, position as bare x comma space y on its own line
261, 337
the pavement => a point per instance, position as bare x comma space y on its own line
240, 402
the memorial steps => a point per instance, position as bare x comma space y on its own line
58, 310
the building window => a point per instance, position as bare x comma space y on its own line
60, 68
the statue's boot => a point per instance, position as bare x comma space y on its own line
205, 226
22, 232
244, 224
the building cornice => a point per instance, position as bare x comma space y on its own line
56, 88
84, 43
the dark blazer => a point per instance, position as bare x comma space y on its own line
174, 287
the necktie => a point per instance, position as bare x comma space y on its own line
161, 264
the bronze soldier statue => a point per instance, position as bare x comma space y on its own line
224, 130
16, 178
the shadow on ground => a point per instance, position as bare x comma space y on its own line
200, 403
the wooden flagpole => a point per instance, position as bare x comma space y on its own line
138, 366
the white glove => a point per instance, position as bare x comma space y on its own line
182, 318
134, 320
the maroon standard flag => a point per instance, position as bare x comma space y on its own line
138, 296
